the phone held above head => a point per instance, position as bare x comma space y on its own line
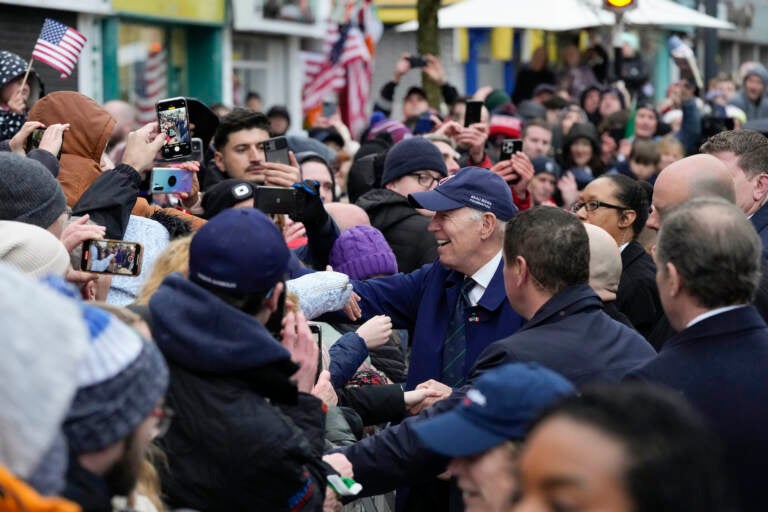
173, 121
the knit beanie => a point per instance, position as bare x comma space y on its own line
29, 192
495, 99
362, 252
119, 384
44, 343
154, 238
32, 250
411, 155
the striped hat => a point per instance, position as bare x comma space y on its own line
119, 384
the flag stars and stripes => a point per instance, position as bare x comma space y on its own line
59, 46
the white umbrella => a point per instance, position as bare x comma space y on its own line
551, 15
671, 14
560, 15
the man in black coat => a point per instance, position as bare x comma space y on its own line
709, 260
412, 165
546, 254
248, 435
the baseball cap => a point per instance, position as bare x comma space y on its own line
415, 89
501, 405
474, 187
239, 251
224, 195
546, 164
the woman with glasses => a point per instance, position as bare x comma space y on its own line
619, 205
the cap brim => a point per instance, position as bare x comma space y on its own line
452, 435
433, 200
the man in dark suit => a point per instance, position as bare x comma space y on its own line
745, 154
546, 270
709, 261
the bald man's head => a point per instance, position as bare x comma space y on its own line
604, 263
347, 215
692, 177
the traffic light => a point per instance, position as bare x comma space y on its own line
619, 5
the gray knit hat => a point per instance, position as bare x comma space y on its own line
29, 192
121, 381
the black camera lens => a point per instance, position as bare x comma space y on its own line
171, 181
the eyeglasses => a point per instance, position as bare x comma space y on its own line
164, 417
594, 205
425, 180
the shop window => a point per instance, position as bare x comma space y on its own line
151, 65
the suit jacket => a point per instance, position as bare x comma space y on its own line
638, 296
721, 366
760, 221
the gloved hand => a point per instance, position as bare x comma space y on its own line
312, 214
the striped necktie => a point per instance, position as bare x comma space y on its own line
455, 346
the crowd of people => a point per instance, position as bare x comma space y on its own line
438, 324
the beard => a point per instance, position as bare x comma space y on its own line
121, 478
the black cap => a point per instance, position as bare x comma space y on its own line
225, 194
416, 90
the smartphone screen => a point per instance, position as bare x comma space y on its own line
509, 147
112, 257
473, 112
165, 180
173, 120
329, 108
276, 150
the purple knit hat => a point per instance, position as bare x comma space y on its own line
362, 252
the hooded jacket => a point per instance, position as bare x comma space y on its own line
89, 129
404, 228
11, 67
244, 438
753, 110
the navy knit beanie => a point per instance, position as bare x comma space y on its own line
411, 155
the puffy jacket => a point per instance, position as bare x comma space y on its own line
404, 228
16, 496
243, 437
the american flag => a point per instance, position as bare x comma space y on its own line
345, 65
59, 46
149, 84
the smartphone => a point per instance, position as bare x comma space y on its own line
112, 257
424, 124
317, 334
275, 322
279, 199
417, 61
473, 112
173, 120
167, 180
509, 147
276, 150
33, 141
197, 149
329, 109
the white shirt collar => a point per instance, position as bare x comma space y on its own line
483, 278
622, 247
711, 313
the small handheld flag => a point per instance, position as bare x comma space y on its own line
59, 46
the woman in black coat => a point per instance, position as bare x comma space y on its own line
619, 205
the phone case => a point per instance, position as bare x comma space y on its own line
171, 181
276, 150
115, 257
173, 120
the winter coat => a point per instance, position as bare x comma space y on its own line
17, 496
243, 437
753, 110
13, 66
637, 295
404, 228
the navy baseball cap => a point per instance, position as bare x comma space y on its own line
501, 405
474, 187
239, 251
546, 164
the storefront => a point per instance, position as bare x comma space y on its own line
267, 39
154, 50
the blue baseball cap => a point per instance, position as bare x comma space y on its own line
474, 187
501, 405
546, 164
239, 251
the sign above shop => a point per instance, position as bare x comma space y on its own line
288, 17
86, 6
209, 11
